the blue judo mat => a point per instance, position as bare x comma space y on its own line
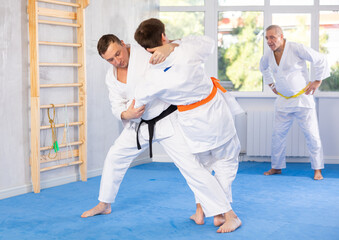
155, 203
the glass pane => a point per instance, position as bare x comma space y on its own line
328, 44
241, 2
180, 24
296, 26
329, 2
240, 47
292, 2
181, 2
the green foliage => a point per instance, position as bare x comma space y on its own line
331, 83
222, 64
180, 24
241, 60
323, 39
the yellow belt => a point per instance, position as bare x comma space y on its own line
296, 95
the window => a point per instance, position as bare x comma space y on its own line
240, 47
292, 2
241, 2
181, 2
296, 26
329, 2
180, 24
238, 29
328, 44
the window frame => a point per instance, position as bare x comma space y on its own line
211, 11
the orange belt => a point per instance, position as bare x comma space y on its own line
216, 85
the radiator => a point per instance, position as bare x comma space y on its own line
259, 136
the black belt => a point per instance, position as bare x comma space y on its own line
151, 124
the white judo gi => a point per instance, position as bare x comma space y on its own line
290, 77
167, 133
208, 129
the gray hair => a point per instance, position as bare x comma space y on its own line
277, 29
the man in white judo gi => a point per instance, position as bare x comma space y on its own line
129, 64
284, 69
204, 116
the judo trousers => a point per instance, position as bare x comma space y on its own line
307, 120
224, 161
202, 183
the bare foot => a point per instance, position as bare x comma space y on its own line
318, 175
199, 215
101, 208
232, 223
272, 171
219, 220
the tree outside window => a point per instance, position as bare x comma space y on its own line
240, 47
328, 44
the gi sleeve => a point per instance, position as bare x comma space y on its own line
265, 69
147, 91
318, 60
197, 47
118, 102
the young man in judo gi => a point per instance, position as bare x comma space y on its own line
128, 66
284, 69
204, 116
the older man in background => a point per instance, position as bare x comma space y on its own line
284, 69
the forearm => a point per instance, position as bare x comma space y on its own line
316, 84
318, 60
161, 53
117, 110
312, 87
272, 86
265, 71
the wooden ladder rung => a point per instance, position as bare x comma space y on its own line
48, 12
61, 3
60, 44
61, 85
62, 125
61, 105
59, 156
51, 14
61, 165
59, 23
44, 64
62, 145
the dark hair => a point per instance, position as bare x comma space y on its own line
105, 41
149, 32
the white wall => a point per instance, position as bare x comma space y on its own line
14, 143
102, 16
328, 116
